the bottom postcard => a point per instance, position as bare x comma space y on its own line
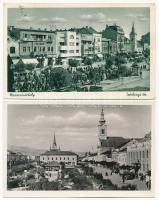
78, 149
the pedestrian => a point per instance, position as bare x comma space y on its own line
147, 181
140, 74
123, 178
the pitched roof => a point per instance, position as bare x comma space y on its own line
59, 153
87, 30
114, 142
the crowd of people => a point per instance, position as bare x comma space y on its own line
46, 80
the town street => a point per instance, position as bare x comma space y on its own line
117, 179
128, 83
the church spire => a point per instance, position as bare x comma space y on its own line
54, 145
133, 28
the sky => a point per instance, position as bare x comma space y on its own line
52, 18
75, 126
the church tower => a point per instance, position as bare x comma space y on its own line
102, 127
133, 39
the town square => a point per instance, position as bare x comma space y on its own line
79, 147
100, 50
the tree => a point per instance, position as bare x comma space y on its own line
10, 78
73, 62
60, 78
20, 66
88, 61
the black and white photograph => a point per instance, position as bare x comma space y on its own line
79, 147
79, 49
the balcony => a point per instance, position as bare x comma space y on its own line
61, 40
63, 48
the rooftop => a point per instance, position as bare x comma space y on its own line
59, 153
114, 142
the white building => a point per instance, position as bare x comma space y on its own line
12, 47
140, 152
68, 44
55, 154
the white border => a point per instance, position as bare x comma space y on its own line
77, 193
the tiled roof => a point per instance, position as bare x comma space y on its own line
59, 153
114, 142
87, 30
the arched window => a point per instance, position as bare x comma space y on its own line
71, 37
12, 49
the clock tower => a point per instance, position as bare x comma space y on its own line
102, 127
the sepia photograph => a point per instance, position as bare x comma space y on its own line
79, 147
79, 49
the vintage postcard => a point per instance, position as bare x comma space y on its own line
78, 150
79, 51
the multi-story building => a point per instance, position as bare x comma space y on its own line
115, 33
13, 47
33, 42
139, 151
91, 42
108, 47
68, 44
55, 154
145, 41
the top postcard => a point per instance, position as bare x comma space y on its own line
79, 51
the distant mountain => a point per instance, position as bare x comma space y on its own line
26, 150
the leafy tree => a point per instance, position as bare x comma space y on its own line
20, 66
10, 74
60, 78
73, 62
88, 61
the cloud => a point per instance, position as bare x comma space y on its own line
115, 117
78, 124
25, 19
139, 17
53, 20
98, 17
79, 120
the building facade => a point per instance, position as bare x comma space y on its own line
140, 152
13, 47
91, 42
116, 35
55, 154
68, 44
34, 42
